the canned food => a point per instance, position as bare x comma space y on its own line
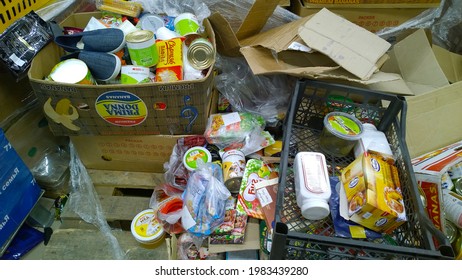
71, 71
233, 169
451, 231
201, 54
142, 48
186, 24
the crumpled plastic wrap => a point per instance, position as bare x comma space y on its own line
84, 201
267, 96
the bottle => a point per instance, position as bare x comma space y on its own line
372, 139
312, 187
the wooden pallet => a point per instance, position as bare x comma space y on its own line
122, 195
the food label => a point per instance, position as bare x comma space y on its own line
344, 125
121, 108
170, 65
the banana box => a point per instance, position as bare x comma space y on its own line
371, 193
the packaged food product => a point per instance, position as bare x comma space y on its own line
146, 229
340, 133
142, 48
373, 193
255, 171
170, 65
372, 139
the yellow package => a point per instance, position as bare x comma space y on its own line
373, 193
170, 65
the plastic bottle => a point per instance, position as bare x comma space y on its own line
312, 187
372, 139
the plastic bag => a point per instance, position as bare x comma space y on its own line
175, 7
176, 173
242, 131
267, 96
167, 204
21, 41
204, 200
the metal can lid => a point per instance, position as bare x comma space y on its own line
201, 54
458, 186
139, 36
451, 231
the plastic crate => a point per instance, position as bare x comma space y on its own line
297, 238
11, 10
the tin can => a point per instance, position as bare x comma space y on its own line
131, 74
71, 71
451, 231
142, 48
201, 54
186, 24
233, 169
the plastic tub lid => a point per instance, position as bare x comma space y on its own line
193, 154
315, 209
145, 227
343, 125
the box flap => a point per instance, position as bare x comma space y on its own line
414, 59
228, 41
438, 161
257, 17
434, 119
352, 47
450, 63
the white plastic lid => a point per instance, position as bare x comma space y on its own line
145, 227
315, 209
193, 154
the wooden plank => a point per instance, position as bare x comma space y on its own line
87, 244
115, 208
125, 179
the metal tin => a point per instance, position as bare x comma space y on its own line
233, 169
142, 48
458, 186
201, 54
451, 231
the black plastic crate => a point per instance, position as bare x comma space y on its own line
298, 238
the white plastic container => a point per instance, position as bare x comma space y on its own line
312, 187
146, 229
372, 139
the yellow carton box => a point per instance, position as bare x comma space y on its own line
372, 193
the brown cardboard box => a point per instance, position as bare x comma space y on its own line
158, 108
137, 153
362, 4
372, 19
14, 97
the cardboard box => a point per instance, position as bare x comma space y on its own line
429, 170
372, 19
433, 114
364, 4
14, 97
373, 194
146, 153
160, 108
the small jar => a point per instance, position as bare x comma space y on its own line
340, 133
146, 229
312, 186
